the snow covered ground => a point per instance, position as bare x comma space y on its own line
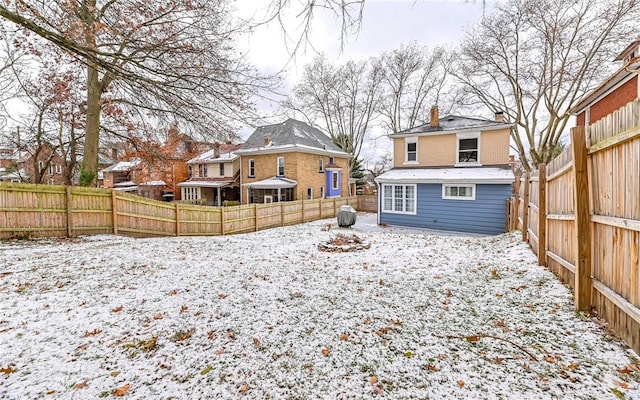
268, 316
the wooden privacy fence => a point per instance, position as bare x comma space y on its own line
43, 210
581, 215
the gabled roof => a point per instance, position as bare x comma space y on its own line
226, 154
122, 166
454, 123
290, 135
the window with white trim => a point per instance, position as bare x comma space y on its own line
332, 161
58, 169
280, 166
252, 168
411, 150
335, 183
309, 193
50, 182
202, 170
50, 169
322, 192
399, 199
468, 148
321, 165
459, 192
221, 169
190, 193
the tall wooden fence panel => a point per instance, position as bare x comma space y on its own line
195, 220
367, 203
592, 218
561, 217
614, 166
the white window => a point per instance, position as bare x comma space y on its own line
50, 169
468, 148
411, 150
252, 168
221, 169
309, 193
280, 166
331, 160
202, 170
322, 192
335, 184
50, 182
459, 192
58, 169
321, 165
399, 199
190, 193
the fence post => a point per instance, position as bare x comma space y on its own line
303, 211
525, 207
177, 219
515, 203
542, 214
583, 283
221, 220
255, 215
114, 211
281, 214
69, 212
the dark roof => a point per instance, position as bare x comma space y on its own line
288, 133
450, 123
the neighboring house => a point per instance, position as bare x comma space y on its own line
215, 176
450, 174
291, 161
121, 176
43, 165
153, 169
622, 87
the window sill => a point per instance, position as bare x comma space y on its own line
410, 163
251, 176
458, 198
468, 164
399, 212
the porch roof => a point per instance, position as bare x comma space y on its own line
275, 182
490, 175
208, 184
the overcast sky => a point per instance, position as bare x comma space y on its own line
386, 25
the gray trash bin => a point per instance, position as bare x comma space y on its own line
346, 216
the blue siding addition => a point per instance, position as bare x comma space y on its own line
330, 191
485, 214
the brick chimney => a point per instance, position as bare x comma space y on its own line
435, 117
267, 140
216, 150
499, 116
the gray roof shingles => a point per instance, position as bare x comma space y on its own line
454, 123
290, 132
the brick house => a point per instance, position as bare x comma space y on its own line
291, 161
622, 87
450, 174
44, 165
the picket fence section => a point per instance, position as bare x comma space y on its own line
581, 216
42, 210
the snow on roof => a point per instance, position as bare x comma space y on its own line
437, 175
227, 153
154, 183
452, 123
272, 183
290, 134
122, 166
213, 184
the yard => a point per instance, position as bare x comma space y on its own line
267, 315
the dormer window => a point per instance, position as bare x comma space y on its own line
468, 149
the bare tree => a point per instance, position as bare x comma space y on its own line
414, 80
341, 100
169, 57
533, 59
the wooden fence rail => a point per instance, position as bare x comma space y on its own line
587, 204
43, 210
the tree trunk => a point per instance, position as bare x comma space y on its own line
89, 168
